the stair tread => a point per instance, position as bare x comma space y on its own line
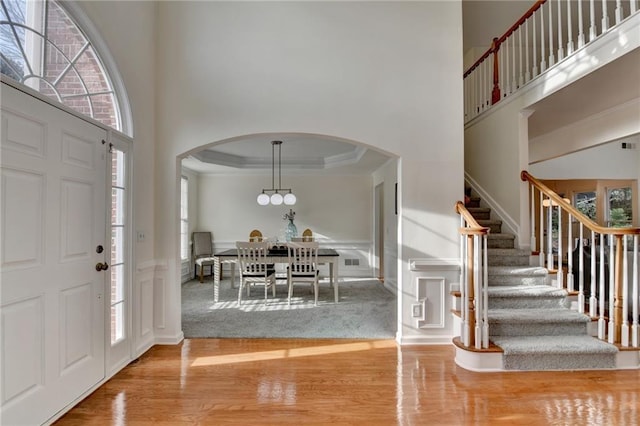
537, 316
507, 252
513, 345
497, 236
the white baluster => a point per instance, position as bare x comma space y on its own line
527, 67
570, 285
507, 68
618, 11
514, 74
532, 217
569, 29
560, 273
624, 340
502, 81
549, 237
552, 60
485, 292
580, 25
478, 292
520, 49
581, 271
592, 13
605, 17
534, 72
543, 63
592, 286
612, 286
602, 323
635, 328
541, 230
560, 42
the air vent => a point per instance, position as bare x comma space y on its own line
628, 145
352, 262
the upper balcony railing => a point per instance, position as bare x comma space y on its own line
548, 32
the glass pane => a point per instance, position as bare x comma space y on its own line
117, 284
90, 70
117, 206
55, 63
117, 323
620, 209
117, 168
13, 62
17, 10
62, 32
117, 245
104, 109
585, 202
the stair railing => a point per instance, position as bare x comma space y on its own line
473, 280
612, 294
548, 32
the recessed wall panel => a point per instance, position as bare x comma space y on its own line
22, 347
77, 213
431, 292
75, 325
77, 152
22, 207
23, 135
146, 304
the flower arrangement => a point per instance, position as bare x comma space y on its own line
289, 216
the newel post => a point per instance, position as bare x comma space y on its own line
495, 94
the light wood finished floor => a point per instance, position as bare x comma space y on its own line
346, 382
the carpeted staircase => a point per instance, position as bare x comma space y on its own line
529, 319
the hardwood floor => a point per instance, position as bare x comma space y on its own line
346, 382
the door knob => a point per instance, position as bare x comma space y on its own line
101, 266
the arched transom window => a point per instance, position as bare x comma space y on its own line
42, 47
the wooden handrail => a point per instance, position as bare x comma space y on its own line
586, 221
474, 228
495, 45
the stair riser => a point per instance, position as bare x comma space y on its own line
481, 215
537, 329
526, 302
510, 280
508, 260
495, 229
499, 243
560, 362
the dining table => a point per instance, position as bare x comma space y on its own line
277, 255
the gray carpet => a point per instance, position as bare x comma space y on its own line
366, 310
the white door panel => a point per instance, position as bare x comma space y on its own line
52, 299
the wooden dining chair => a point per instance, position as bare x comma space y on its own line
255, 236
254, 270
303, 266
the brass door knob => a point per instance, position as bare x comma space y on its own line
101, 266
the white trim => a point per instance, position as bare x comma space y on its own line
424, 340
508, 221
444, 264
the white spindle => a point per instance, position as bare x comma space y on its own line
514, 74
560, 42
532, 217
485, 292
527, 69
570, 249
581, 271
552, 60
592, 286
605, 17
477, 291
612, 286
580, 25
501, 81
507, 67
543, 54
560, 273
618, 11
520, 49
602, 323
592, 13
541, 230
549, 237
535, 46
569, 29
624, 340
635, 328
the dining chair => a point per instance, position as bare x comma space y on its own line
303, 261
255, 236
202, 251
254, 270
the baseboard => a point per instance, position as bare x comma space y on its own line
424, 340
169, 340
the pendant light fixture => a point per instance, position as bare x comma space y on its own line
276, 198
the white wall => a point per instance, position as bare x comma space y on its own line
337, 209
376, 73
387, 175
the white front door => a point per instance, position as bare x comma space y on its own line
52, 298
